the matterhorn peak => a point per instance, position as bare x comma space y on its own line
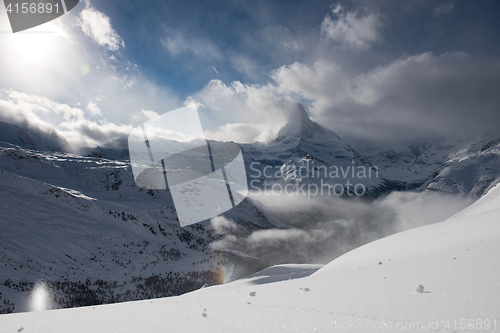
299, 125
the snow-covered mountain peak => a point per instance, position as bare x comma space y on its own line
307, 146
486, 142
299, 126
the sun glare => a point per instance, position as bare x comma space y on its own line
40, 298
36, 44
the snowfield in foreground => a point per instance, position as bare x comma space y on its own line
369, 289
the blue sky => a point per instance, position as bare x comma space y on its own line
184, 45
377, 72
270, 34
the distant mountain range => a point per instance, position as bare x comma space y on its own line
304, 150
445, 165
430, 164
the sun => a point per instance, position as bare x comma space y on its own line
32, 47
36, 44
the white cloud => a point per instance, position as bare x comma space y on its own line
242, 113
98, 27
450, 94
93, 110
444, 8
222, 226
91, 134
149, 114
33, 106
325, 84
143, 115
50, 116
107, 84
111, 87
176, 44
240, 132
351, 30
243, 64
295, 45
36, 90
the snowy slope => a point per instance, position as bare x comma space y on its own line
368, 289
80, 222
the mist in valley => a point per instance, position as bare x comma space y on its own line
324, 228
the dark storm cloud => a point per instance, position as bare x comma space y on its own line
450, 94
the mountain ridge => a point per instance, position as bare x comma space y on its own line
32, 138
81, 223
302, 143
